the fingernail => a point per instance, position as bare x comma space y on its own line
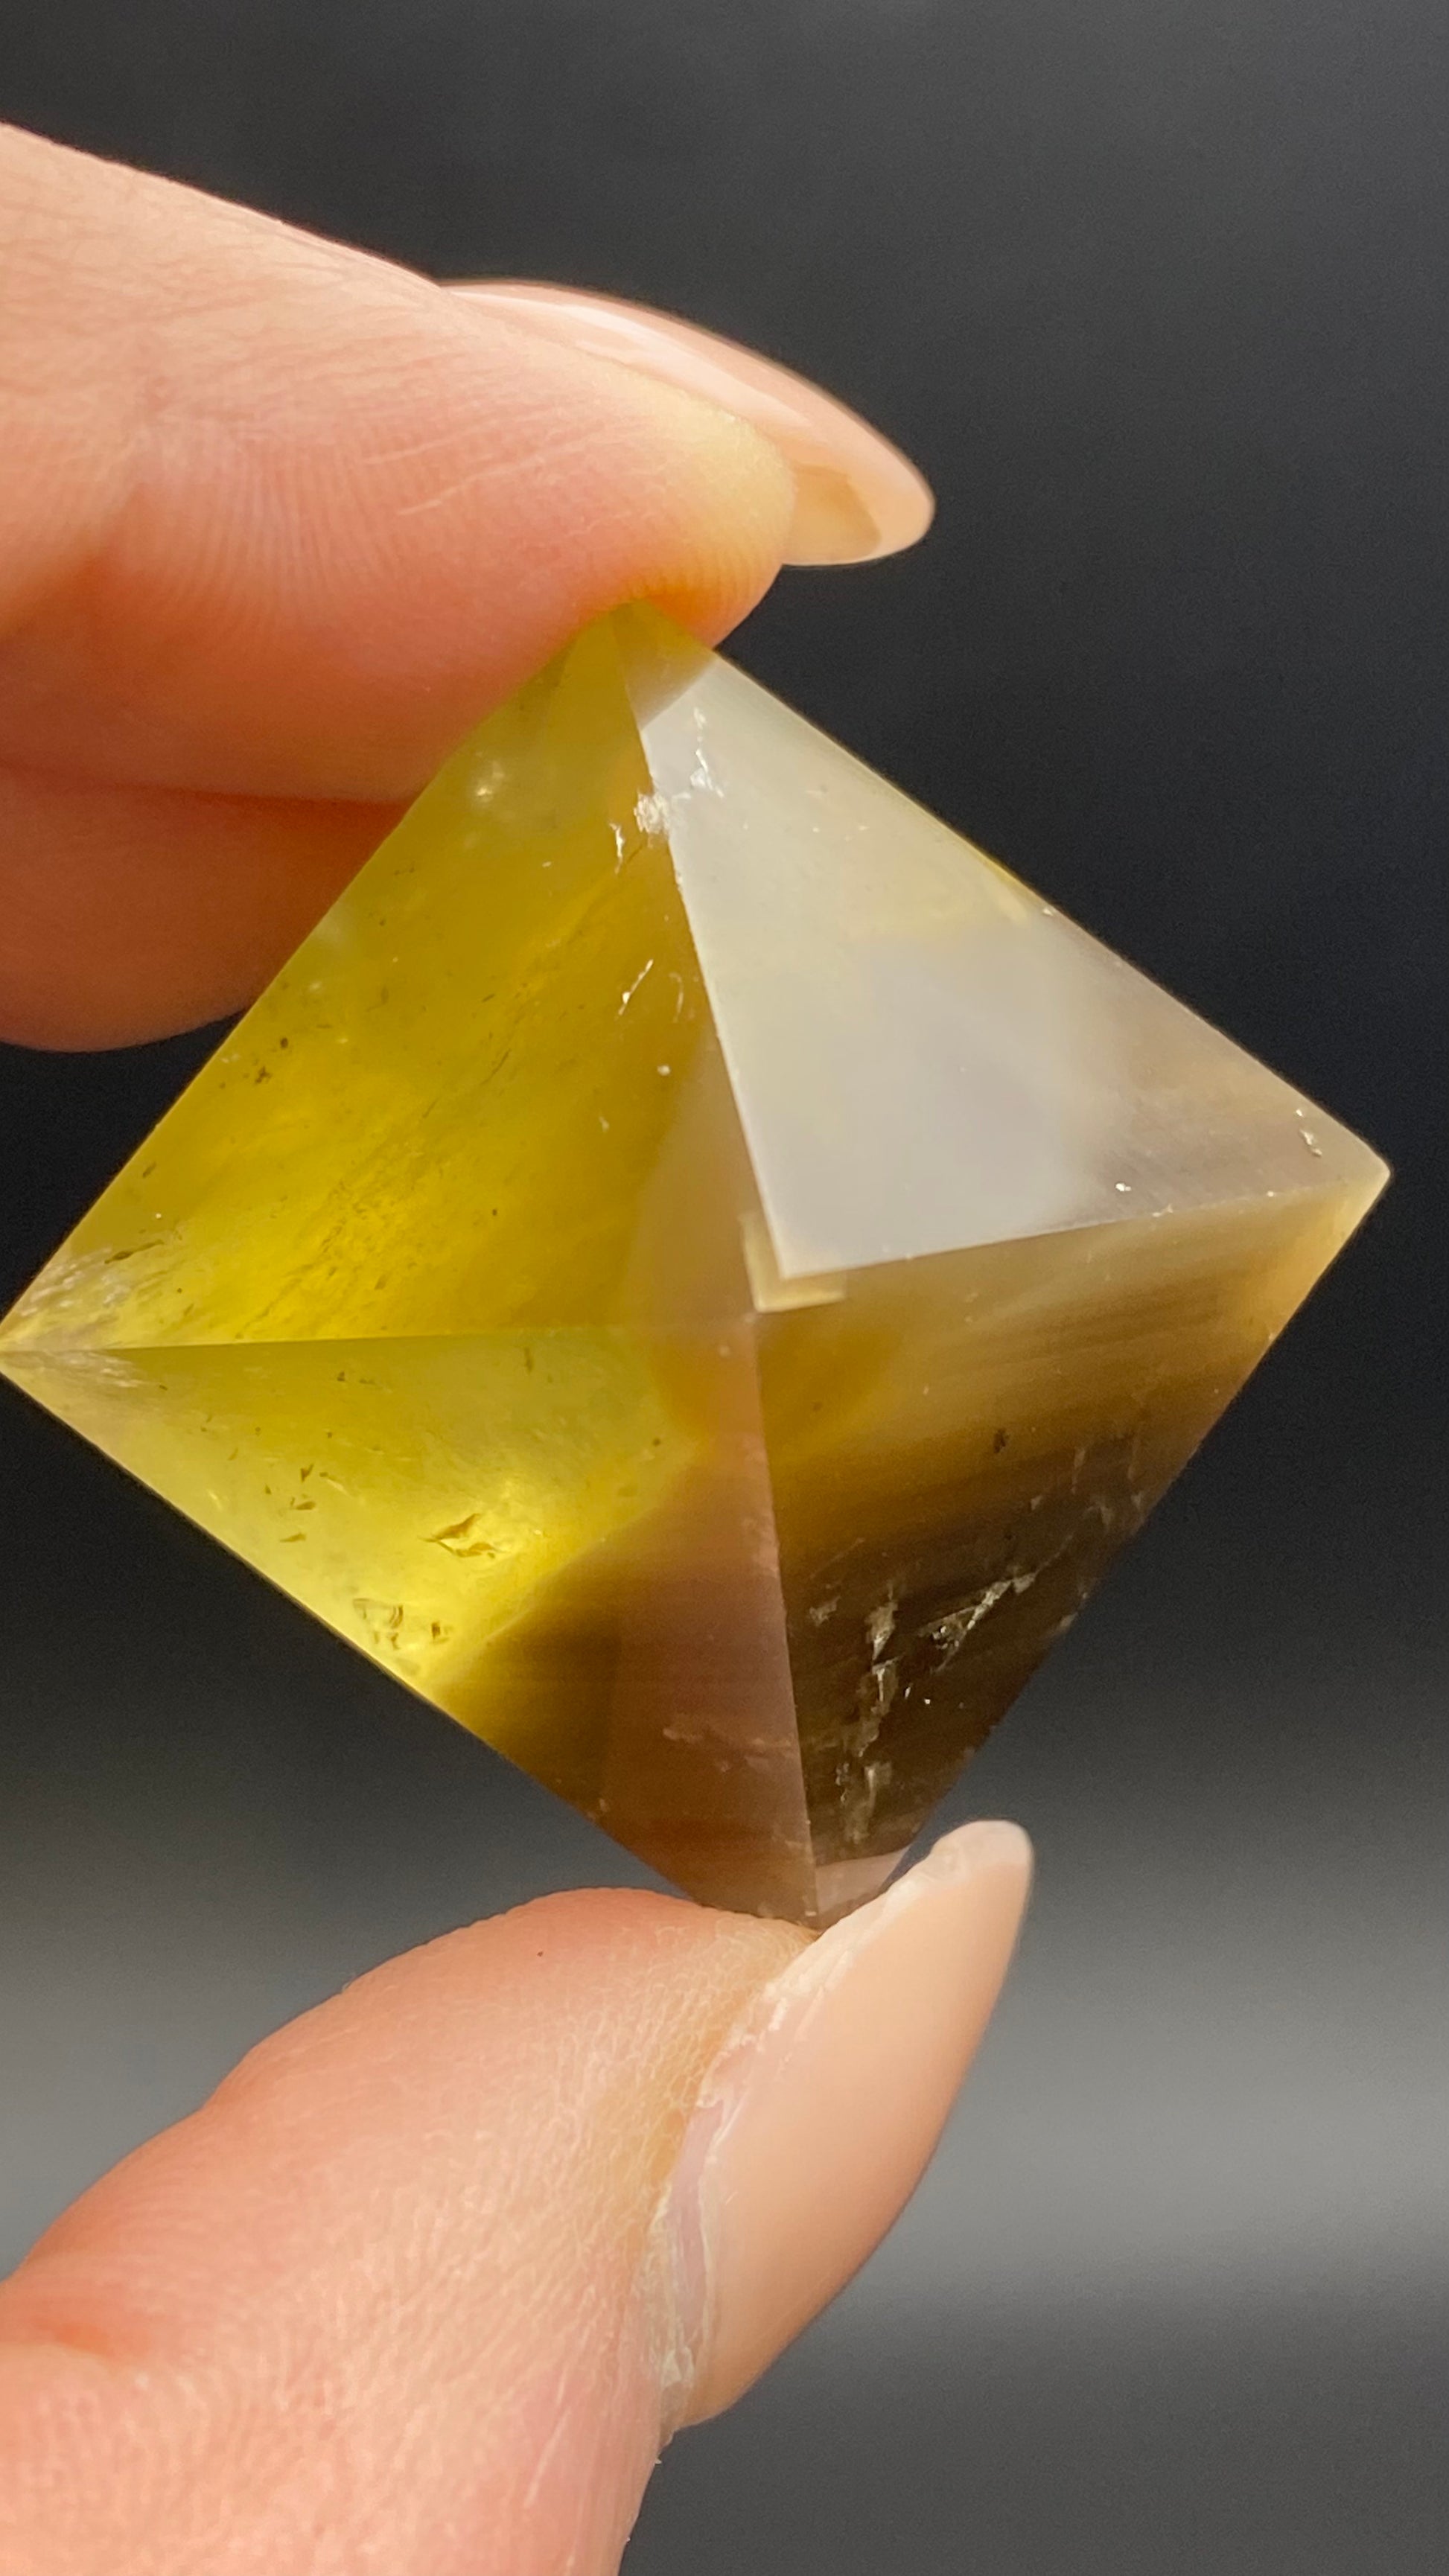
818, 2120
856, 495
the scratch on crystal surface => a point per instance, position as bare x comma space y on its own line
634, 987
101, 1368
651, 813
464, 1537
701, 775
880, 1627
382, 1619
952, 1631
91, 1282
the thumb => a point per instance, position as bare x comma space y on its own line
425, 2284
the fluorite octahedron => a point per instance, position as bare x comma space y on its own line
695, 1270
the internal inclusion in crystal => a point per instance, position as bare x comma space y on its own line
695, 1270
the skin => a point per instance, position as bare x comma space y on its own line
278, 522
372, 2307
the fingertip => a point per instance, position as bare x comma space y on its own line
855, 496
339, 512
734, 500
815, 2126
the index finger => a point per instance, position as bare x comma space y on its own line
281, 519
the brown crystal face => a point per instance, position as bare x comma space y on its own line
694, 1270
958, 1450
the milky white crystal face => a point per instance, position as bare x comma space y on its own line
925, 1055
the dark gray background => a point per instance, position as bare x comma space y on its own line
1156, 290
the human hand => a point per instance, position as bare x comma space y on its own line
426, 2283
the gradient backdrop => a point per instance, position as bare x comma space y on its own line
1156, 291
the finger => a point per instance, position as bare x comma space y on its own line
856, 496
128, 912
279, 518
424, 2285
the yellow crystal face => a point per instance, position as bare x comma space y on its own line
695, 1270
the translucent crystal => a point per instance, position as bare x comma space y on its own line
695, 1270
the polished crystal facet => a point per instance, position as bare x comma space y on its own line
695, 1270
